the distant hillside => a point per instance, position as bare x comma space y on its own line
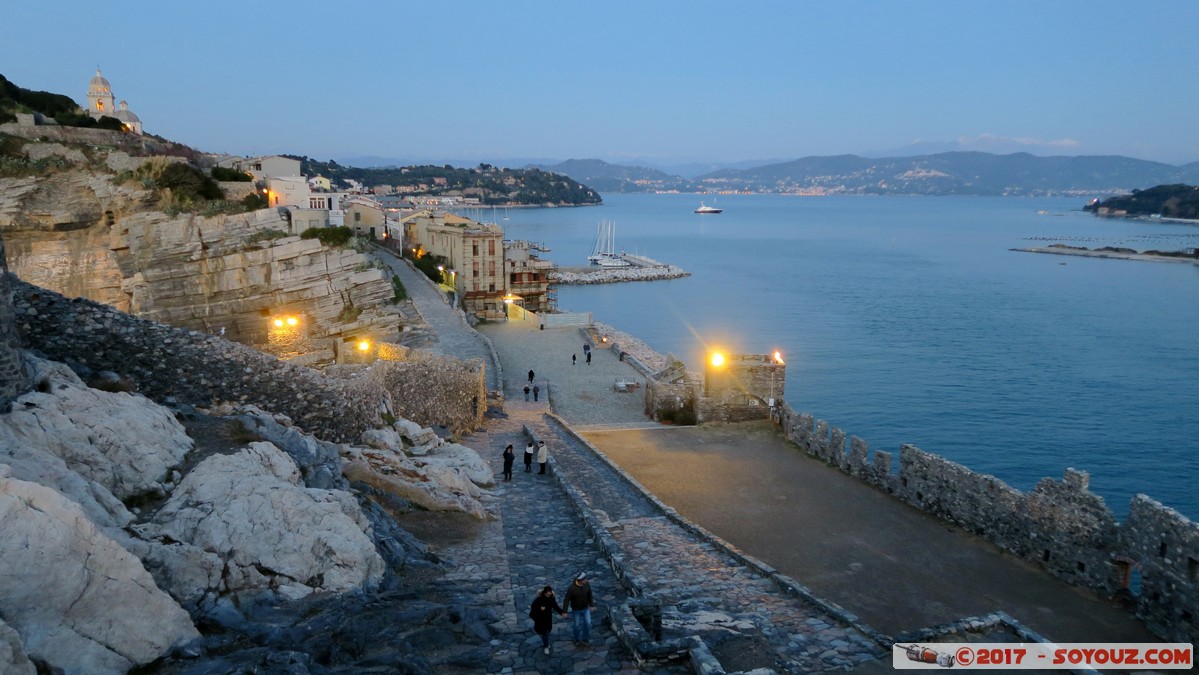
607, 177
492, 185
954, 173
1168, 201
950, 173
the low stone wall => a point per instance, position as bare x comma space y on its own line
132, 143
171, 365
1059, 525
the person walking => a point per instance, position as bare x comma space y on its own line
530, 376
509, 458
542, 613
580, 602
529, 457
589, 357
536, 391
526, 392
574, 359
543, 456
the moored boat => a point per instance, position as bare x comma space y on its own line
708, 209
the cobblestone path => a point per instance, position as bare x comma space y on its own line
537, 540
451, 334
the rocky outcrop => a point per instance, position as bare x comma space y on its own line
85, 230
123, 442
79, 601
251, 509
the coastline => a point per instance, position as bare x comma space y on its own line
1114, 255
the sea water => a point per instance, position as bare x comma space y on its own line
910, 320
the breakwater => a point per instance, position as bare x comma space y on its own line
639, 269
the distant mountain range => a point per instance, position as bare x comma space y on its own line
949, 173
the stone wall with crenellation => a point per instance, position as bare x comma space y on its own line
1059, 525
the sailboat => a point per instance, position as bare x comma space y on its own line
708, 209
603, 253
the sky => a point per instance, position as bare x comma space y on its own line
651, 82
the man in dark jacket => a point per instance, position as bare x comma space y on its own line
580, 603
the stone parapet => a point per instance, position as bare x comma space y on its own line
1059, 525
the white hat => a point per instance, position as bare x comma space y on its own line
581, 576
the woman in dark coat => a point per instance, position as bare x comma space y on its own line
509, 457
542, 613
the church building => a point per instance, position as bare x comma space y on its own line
100, 102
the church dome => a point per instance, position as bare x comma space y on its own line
99, 84
126, 115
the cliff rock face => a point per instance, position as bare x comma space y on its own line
12, 380
84, 230
79, 601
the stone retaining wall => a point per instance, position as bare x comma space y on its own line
1059, 525
435, 390
171, 365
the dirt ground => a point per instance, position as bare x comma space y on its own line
894, 566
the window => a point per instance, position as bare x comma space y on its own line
490, 247
491, 288
357, 217
475, 248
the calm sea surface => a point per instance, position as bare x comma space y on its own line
909, 320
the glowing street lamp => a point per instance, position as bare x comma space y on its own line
364, 345
717, 359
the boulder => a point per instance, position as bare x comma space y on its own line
38, 466
451, 457
318, 460
440, 488
188, 573
95, 609
251, 509
13, 660
415, 434
124, 442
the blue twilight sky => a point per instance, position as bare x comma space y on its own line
659, 82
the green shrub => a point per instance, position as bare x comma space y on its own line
188, 182
222, 173
269, 234
428, 264
329, 236
254, 201
349, 313
399, 292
